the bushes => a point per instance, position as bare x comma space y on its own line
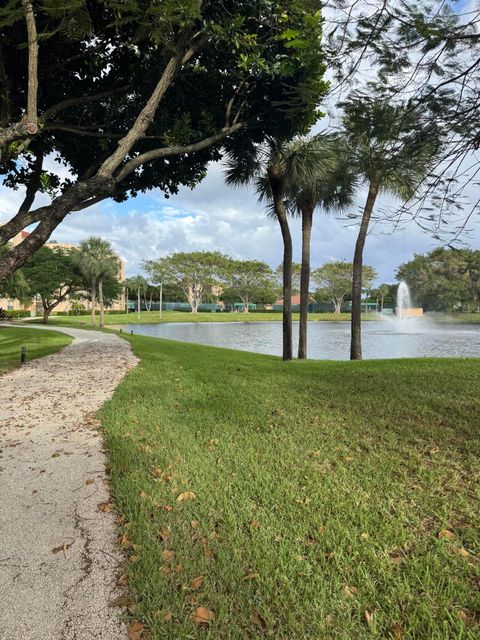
10, 315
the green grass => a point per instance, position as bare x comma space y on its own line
39, 343
152, 317
320, 492
460, 317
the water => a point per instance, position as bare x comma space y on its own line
409, 338
404, 300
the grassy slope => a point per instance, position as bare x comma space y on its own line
321, 488
152, 317
39, 343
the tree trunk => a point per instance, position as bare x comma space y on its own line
279, 205
46, 314
138, 303
356, 336
307, 219
100, 299
93, 294
338, 307
381, 305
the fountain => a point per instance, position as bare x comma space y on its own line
404, 308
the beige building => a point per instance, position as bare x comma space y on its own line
35, 306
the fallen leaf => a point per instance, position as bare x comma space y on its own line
397, 631
464, 615
106, 507
254, 524
89, 481
167, 555
369, 618
194, 524
202, 616
445, 533
461, 551
350, 591
165, 569
134, 558
121, 601
179, 568
62, 547
122, 581
164, 533
187, 495
136, 631
364, 536
167, 616
125, 541
157, 472
316, 454
196, 583
258, 620
167, 507
251, 576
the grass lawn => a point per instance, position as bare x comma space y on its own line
39, 343
152, 317
308, 500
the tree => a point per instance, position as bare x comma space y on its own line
15, 286
326, 182
296, 276
53, 275
250, 281
138, 284
273, 168
444, 279
334, 280
428, 51
196, 272
392, 152
246, 67
97, 261
383, 291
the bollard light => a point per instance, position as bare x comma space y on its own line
23, 355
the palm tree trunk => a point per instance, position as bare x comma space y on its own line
138, 303
307, 219
356, 336
93, 293
100, 299
287, 273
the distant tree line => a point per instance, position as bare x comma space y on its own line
445, 279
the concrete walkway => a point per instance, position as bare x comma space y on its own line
58, 561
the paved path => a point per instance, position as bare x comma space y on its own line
58, 561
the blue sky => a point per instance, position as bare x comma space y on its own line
214, 217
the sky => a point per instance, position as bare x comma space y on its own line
216, 217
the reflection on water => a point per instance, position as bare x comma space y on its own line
330, 340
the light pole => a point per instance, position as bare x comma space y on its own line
161, 296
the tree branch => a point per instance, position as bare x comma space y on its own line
32, 68
186, 49
166, 152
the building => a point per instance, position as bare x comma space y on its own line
35, 306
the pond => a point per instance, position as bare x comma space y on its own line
327, 340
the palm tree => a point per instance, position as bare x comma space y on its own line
97, 261
393, 150
328, 184
138, 284
273, 168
